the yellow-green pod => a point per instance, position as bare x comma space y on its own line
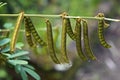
63, 41
78, 40
101, 31
50, 44
28, 33
69, 28
16, 31
87, 48
106, 25
36, 36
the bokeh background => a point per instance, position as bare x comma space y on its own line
107, 66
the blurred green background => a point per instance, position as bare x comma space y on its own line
107, 67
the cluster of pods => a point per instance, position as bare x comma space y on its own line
81, 28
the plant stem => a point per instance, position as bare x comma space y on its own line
4, 30
58, 16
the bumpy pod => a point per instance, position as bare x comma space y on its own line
36, 36
106, 25
51, 49
28, 33
87, 48
78, 40
69, 28
101, 25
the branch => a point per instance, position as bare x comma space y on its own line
59, 16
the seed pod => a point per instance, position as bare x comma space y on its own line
51, 49
87, 48
16, 31
106, 25
69, 28
28, 33
36, 36
78, 40
63, 41
101, 31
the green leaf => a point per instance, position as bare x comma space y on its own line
20, 53
8, 26
6, 54
5, 49
19, 45
32, 73
29, 66
24, 58
4, 41
18, 68
23, 74
2, 4
15, 62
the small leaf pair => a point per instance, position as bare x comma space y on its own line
24, 69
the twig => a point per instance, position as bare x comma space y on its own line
58, 16
4, 30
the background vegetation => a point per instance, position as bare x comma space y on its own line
105, 68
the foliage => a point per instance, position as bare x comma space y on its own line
17, 59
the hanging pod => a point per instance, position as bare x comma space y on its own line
101, 15
63, 40
87, 48
16, 31
28, 34
101, 25
35, 35
78, 40
50, 43
69, 28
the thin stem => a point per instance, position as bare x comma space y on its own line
58, 16
4, 30
42, 15
109, 19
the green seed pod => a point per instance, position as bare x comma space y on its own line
51, 49
63, 41
78, 40
106, 25
87, 48
36, 36
69, 28
101, 31
28, 33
